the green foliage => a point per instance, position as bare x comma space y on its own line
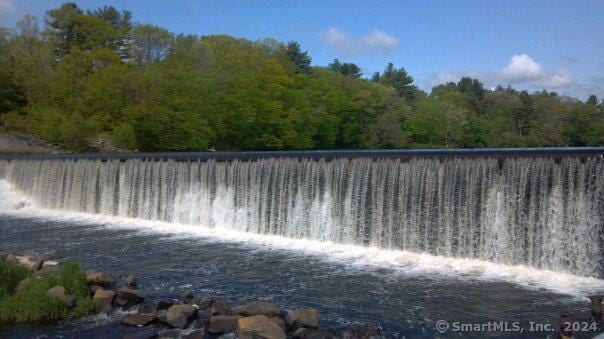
33, 302
10, 276
94, 73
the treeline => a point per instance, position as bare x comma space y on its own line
95, 73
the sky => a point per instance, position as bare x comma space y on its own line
534, 45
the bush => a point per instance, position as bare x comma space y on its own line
10, 275
33, 302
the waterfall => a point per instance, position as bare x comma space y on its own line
539, 212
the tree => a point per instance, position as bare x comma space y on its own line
301, 59
150, 43
69, 27
349, 70
401, 81
592, 100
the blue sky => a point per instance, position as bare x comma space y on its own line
549, 44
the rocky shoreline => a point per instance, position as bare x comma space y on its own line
187, 315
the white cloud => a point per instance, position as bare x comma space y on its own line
521, 70
370, 43
7, 6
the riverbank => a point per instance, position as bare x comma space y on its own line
187, 316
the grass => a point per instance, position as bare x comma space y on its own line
10, 275
34, 304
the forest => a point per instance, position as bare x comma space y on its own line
86, 74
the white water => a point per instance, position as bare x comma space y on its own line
532, 221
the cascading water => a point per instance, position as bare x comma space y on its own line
533, 211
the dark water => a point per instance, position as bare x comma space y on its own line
403, 305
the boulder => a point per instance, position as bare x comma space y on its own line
100, 278
21, 285
138, 319
31, 263
219, 308
59, 292
185, 296
49, 266
258, 326
105, 298
305, 318
130, 296
257, 308
180, 315
93, 289
131, 281
597, 309
278, 321
196, 334
155, 306
12, 258
202, 303
311, 333
361, 331
223, 324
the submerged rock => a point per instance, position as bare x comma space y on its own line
105, 298
185, 296
597, 309
180, 315
361, 331
219, 308
138, 319
312, 333
257, 308
130, 296
148, 333
59, 292
223, 324
258, 326
100, 278
131, 281
305, 318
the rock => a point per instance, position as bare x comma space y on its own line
130, 296
21, 285
148, 333
59, 292
180, 315
170, 334
100, 145
305, 318
257, 308
202, 303
597, 310
278, 321
312, 333
196, 334
120, 302
185, 296
566, 328
155, 306
49, 266
93, 289
12, 258
105, 298
258, 326
162, 316
100, 278
131, 281
361, 331
223, 324
219, 308
138, 319
32, 264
